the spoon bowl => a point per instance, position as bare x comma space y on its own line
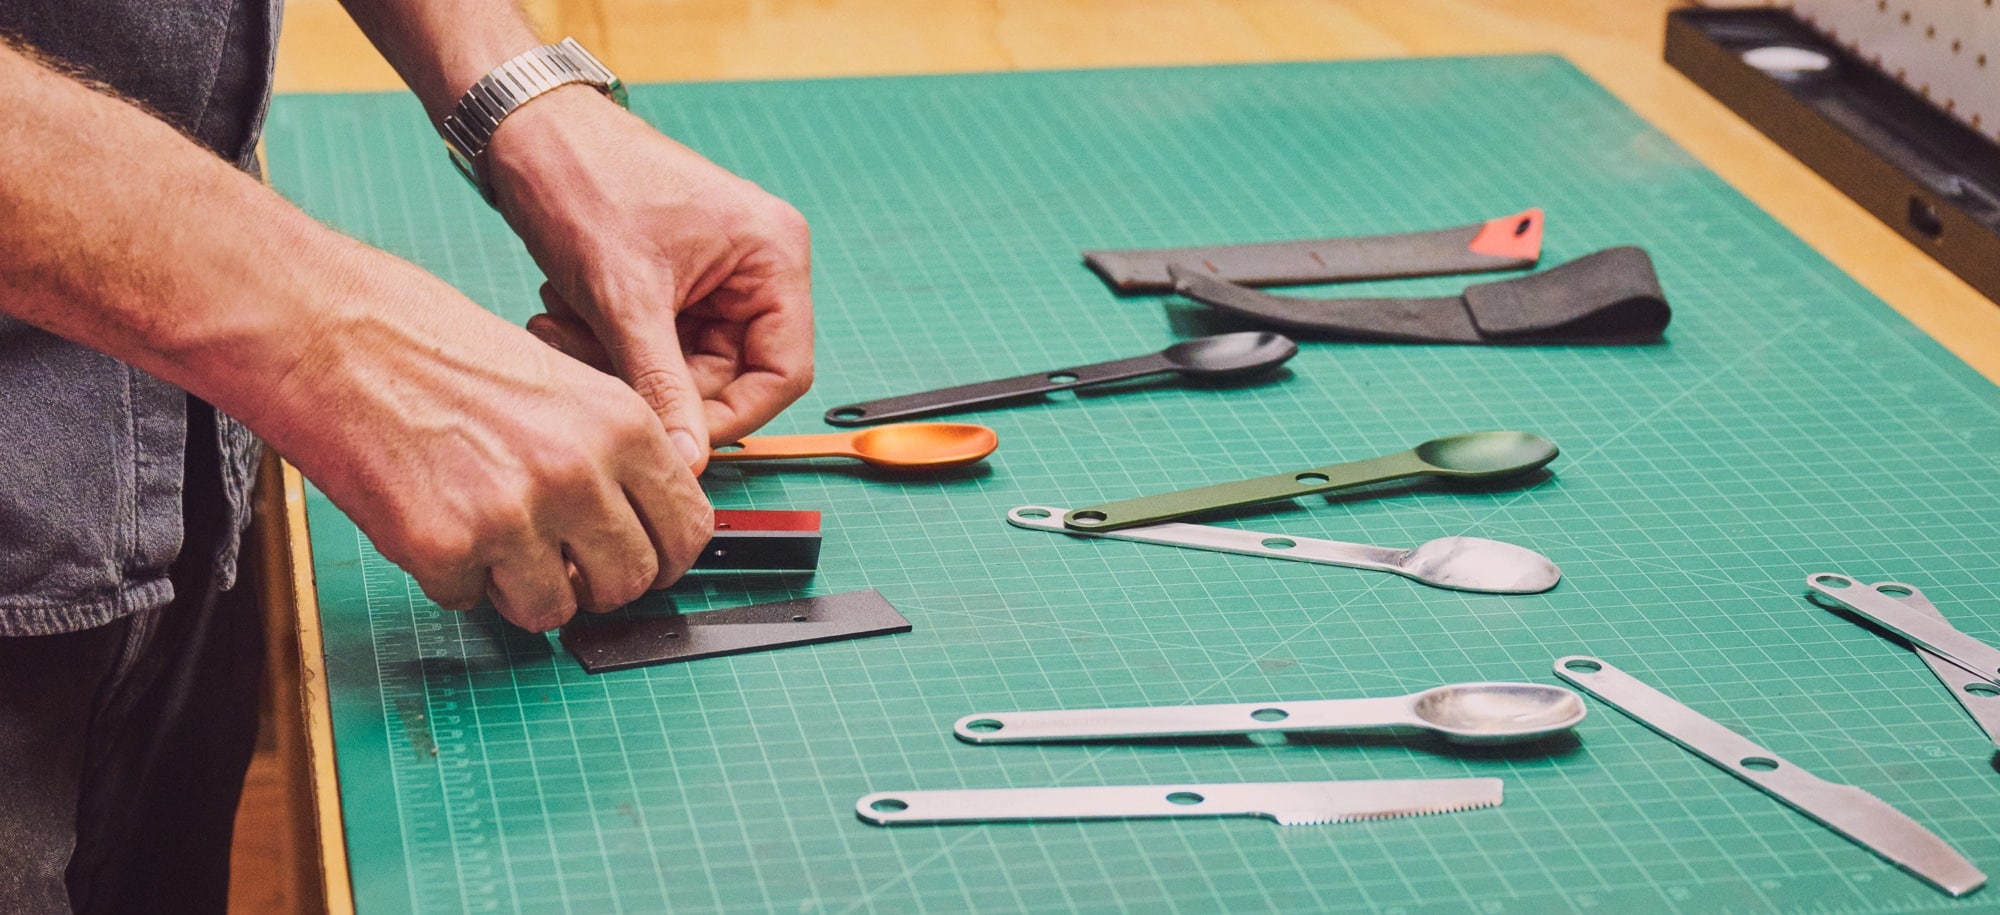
1497, 713
1228, 356
924, 446
1486, 455
909, 447
1479, 564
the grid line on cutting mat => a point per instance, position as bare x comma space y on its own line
1791, 424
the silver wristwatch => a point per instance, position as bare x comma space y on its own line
479, 112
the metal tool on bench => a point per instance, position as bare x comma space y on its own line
1467, 457
1218, 358
1929, 632
909, 447
1288, 803
1466, 713
761, 540
607, 643
1457, 563
1861, 817
1977, 694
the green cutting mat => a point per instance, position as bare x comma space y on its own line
1791, 424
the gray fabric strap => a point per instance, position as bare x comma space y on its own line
1610, 297
1330, 260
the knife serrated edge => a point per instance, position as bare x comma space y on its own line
1403, 813
1860, 817
1333, 802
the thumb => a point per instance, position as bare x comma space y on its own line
646, 357
660, 375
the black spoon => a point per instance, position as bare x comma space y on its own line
1218, 358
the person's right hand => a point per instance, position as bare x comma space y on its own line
483, 462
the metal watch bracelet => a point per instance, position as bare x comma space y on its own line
469, 127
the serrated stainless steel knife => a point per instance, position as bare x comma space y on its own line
1288, 803
1863, 818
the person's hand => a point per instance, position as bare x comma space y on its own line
689, 283
478, 459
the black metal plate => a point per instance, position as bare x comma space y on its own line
607, 643
748, 540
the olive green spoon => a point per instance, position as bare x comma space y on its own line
1467, 457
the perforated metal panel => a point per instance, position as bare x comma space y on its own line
1947, 50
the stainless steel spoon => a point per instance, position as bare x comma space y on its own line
1466, 713
1457, 563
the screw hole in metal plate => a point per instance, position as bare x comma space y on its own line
1090, 517
849, 413
1833, 581
889, 805
1061, 378
1032, 513
1579, 665
1310, 479
1279, 543
1893, 591
1759, 763
984, 725
1984, 690
1185, 798
1270, 714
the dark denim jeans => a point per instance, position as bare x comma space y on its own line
123, 748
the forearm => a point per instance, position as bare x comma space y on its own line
442, 47
120, 234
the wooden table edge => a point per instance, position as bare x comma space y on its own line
336, 881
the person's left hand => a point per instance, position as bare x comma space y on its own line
687, 282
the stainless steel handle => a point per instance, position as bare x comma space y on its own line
1387, 715
1974, 693
1225, 540
1935, 634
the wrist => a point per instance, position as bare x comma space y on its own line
547, 145
514, 85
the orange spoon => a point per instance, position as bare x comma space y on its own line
904, 446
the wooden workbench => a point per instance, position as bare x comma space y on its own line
1618, 44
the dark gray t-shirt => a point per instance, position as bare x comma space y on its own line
92, 451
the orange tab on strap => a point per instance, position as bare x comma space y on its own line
1516, 236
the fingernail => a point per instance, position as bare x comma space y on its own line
685, 444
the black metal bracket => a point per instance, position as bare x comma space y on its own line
1930, 177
